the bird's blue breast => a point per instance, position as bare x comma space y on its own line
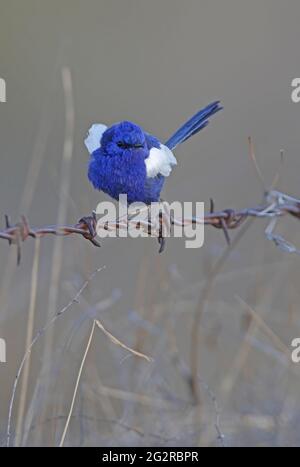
125, 174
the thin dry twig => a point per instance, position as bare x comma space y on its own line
255, 163
265, 328
200, 309
63, 437
115, 341
64, 190
111, 421
40, 333
187, 376
29, 336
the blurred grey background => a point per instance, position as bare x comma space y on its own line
155, 63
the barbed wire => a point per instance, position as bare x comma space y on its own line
276, 205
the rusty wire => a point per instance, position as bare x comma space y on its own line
276, 205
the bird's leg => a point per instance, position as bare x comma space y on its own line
164, 217
161, 239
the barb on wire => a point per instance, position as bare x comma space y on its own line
276, 205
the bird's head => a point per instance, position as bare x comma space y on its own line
122, 137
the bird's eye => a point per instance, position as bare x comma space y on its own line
122, 145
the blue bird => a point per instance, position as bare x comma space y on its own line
127, 160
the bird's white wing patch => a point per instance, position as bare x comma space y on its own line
160, 161
92, 141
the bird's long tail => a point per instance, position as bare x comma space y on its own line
193, 125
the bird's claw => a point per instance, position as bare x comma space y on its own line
162, 244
